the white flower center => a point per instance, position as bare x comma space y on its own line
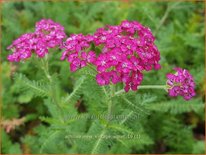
113, 57
126, 24
103, 38
124, 65
103, 63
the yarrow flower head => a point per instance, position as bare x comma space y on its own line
75, 51
181, 83
126, 50
48, 34
21, 47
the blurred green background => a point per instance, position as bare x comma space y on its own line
179, 29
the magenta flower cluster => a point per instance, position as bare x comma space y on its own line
48, 34
75, 48
181, 83
126, 50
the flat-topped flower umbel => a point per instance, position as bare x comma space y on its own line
126, 50
181, 83
48, 34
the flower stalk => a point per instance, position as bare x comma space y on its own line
144, 87
45, 68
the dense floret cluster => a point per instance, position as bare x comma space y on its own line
48, 34
126, 50
75, 48
181, 83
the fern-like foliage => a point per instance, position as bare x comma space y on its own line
177, 106
74, 95
36, 87
103, 135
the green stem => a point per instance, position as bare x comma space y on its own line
152, 87
126, 118
144, 87
111, 94
166, 14
92, 67
98, 142
112, 90
109, 109
45, 68
109, 101
105, 91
